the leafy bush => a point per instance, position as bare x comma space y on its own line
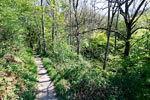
133, 73
95, 46
19, 78
75, 78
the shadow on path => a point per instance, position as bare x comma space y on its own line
46, 89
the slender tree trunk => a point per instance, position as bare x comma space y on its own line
53, 30
70, 24
78, 39
38, 29
127, 43
43, 29
116, 28
78, 45
75, 6
127, 48
115, 48
148, 43
108, 36
31, 41
53, 25
148, 37
107, 49
131, 18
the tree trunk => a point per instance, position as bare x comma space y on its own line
43, 29
70, 24
38, 29
78, 45
115, 48
53, 30
127, 43
108, 36
116, 28
53, 25
31, 41
75, 6
107, 49
127, 49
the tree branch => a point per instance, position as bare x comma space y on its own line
137, 10
147, 28
100, 28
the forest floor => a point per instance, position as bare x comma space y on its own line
46, 89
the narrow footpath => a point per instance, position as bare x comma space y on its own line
46, 89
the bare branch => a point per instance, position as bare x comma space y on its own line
137, 10
147, 28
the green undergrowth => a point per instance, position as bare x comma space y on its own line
73, 79
18, 75
76, 78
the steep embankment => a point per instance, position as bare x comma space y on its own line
18, 75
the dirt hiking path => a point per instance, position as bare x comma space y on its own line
46, 89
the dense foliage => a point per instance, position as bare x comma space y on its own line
85, 79
73, 46
18, 74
